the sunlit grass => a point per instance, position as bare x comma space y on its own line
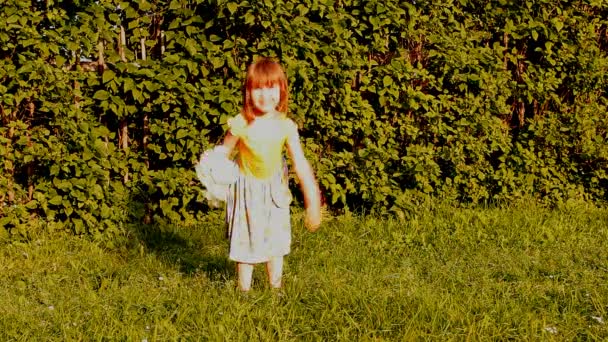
446, 274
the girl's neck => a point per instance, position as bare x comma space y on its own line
270, 114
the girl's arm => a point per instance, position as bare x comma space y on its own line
308, 183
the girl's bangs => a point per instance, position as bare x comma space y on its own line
265, 76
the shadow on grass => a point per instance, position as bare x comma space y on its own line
198, 246
190, 249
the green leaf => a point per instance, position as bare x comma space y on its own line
128, 84
217, 62
535, 35
181, 134
106, 212
249, 18
68, 210
101, 95
55, 200
387, 81
232, 7
559, 25
175, 4
12, 19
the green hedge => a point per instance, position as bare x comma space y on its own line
465, 100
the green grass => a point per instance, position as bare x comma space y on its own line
446, 274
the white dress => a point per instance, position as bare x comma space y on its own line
257, 209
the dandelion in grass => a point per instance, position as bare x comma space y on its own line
552, 330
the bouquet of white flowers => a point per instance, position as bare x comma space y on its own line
216, 172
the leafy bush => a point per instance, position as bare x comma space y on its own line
106, 106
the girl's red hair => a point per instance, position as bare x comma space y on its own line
264, 73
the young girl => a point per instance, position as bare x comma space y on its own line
257, 203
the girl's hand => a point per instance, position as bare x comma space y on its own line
312, 221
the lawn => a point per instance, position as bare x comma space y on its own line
523, 273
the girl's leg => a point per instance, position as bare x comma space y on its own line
245, 273
274, 269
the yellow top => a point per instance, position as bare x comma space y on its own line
260, 144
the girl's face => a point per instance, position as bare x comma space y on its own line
266, 99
